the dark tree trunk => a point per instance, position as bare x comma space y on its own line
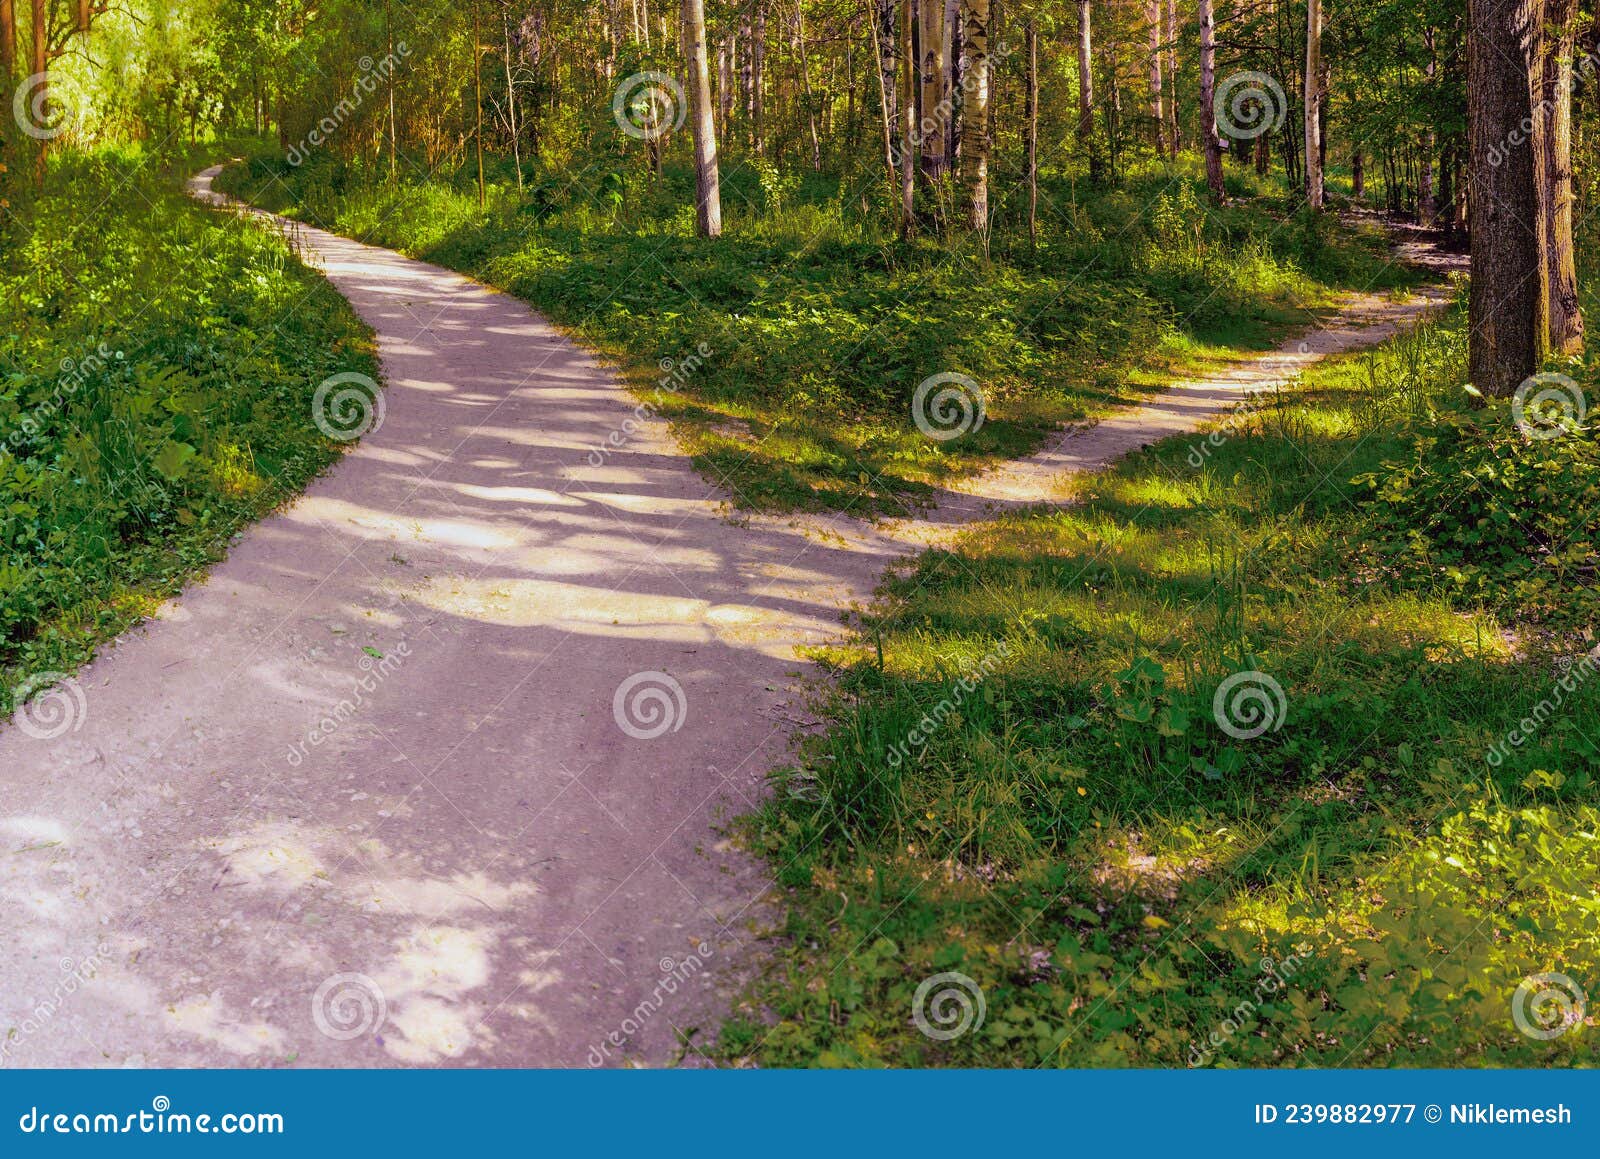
1509, 303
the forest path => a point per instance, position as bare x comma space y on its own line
428, 770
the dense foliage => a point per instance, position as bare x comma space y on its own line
1368, 881
158, 363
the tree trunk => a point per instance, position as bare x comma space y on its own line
8, 40
41, 64
1313, 103
1158, 115
1358, 174
1031, 116
975, 112
934, 115
1555, 161
1086, 143
1208, 101
908, 118
1510, 287
883, 41
1172, 76
708, 185
477, 97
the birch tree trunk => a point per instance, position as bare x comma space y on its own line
708, 184
975, 112
1176, 135
930, 138
1158, 115
908, 119
1086, 141
1031, 115
1208, 101
1510, 287
1313, 103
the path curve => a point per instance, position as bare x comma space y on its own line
477, 863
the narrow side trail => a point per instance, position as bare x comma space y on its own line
429, 770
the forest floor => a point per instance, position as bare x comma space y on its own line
560, 669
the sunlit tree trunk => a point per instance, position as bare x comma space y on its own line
1566, 320
708, 185
1031, 116
1158, 114
1510, 287
1313, 103
1208, 102
1087, 147
908, 120
975, 112
8, 40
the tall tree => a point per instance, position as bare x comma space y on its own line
1555, 161
1031, 129
1158, 116
1313, 103
1208, 100
1087, 146
908, 120
1510, 288
975, 112
8, 40
1176, 135
934, 114
708, 182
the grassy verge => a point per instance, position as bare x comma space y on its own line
1229, 765
800, 338
157, 368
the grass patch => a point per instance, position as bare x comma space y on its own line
1188, 774
811, 330
159, 362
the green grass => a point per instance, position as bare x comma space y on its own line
157, 367
1026, 782
814, 330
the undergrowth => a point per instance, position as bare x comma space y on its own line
815, 329
1200, 772
158, 365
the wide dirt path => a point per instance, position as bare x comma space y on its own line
430, 769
